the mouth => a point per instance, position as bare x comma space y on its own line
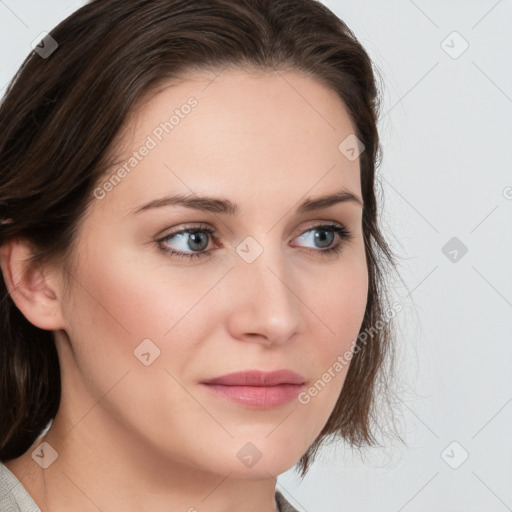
257, 389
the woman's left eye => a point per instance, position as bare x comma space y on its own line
195, 239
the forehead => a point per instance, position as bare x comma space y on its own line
236, 132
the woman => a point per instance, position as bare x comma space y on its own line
192, 263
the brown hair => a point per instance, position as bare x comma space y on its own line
59, 119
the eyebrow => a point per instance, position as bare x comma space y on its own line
225, 206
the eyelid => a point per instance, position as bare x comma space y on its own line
208, 228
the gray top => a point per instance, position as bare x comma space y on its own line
15, 498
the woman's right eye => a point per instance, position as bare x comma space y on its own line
188, 239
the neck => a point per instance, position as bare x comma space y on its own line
114, 470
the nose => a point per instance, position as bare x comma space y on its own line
265, 302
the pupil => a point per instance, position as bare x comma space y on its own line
322, 238
196, 238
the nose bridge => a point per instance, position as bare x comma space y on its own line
265, 303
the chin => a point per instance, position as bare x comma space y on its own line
245, 458
263, 468
265, 456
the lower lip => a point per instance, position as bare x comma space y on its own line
260, 397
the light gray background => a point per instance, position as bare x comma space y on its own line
446, 129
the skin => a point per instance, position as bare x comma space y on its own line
134, 437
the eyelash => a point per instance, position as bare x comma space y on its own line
340, 230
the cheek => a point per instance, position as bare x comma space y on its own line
130, 298
115, 305
341, 308
341, 303
122, 299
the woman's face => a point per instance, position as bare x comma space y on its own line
255, 288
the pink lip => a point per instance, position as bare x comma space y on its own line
257, 389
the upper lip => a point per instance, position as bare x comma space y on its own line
257, 378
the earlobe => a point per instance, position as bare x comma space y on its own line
33, 291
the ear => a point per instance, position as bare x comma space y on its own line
35, 293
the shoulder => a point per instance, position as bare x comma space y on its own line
283, 505
13, 496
